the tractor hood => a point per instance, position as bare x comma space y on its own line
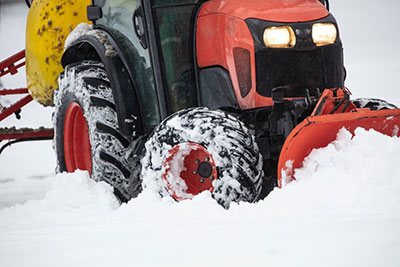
270, 10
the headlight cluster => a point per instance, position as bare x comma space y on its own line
279, 37
284, 36
324, 33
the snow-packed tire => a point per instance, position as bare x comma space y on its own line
84, 87
232, 146
373, 104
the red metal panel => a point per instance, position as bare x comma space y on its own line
216, 37
278, 10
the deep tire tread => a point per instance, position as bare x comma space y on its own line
101, 127
96, 82
104, 156
101, 102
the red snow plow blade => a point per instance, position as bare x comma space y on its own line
319, 131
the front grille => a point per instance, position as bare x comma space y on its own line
314, 70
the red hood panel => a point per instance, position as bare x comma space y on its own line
270, 10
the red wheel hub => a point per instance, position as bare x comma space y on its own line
189, 170
77, 149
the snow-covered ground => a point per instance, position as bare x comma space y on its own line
26, 170
344, 211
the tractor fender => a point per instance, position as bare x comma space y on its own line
97, 44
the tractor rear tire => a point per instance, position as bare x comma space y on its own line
373, 104
87, 136
232, 147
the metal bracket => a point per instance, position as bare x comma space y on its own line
94, 13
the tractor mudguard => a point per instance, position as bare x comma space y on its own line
97, 44
319, 131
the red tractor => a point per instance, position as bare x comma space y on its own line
220, 95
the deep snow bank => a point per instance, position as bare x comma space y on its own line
359, 175
342, 211
352, 176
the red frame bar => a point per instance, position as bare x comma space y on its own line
15, 107
14, 91
34, 134
10, 66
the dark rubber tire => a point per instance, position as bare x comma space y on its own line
232, 146
87, 84
373, 104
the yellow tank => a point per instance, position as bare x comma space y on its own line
48, 25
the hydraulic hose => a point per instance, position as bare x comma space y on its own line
12, 142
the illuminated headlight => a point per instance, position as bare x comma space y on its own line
279, 37
324, 33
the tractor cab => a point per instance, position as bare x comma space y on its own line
157, 40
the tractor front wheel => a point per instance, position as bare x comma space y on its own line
198, 149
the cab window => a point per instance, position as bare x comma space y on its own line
176, 21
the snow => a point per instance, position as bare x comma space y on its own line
344, 210
366, 177
174, 169
86, 29
338, 213
26, 170
368, 30
79, 31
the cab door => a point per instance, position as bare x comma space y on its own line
123, 20
172, 46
